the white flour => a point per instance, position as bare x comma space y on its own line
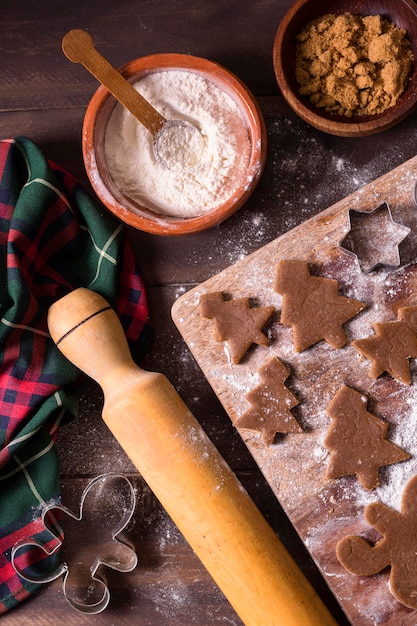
185, 189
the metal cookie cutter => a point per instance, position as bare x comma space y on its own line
373, 238
106, 507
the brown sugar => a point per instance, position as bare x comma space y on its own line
352, 65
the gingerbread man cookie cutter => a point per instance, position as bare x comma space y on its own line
373, 238
106, 508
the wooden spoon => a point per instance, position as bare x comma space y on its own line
78, 47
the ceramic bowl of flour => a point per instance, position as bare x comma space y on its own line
373, 82
118, 152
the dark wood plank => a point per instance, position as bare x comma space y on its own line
44, 97
238, 35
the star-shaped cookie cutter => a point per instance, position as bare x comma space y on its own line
84, 584
373, 238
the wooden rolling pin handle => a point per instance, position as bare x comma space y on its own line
186, 472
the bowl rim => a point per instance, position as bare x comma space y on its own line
150, 221
345, 127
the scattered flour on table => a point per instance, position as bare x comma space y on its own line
321, 173
182, 190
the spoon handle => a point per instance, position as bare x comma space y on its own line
78, 47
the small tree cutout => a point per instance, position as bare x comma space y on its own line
357, 440
271, 403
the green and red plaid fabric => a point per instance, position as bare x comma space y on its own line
53, 239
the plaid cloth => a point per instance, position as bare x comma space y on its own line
53, 239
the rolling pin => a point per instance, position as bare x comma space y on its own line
185, 471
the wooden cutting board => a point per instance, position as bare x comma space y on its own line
323, 511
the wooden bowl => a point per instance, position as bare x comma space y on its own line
403, 13
141, 217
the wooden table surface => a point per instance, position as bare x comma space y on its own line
43, 96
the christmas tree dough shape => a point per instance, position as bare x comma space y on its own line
357, 440
236, 322
397, 548
312, 306
392, 346
271, 403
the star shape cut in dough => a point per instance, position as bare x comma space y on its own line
374, 238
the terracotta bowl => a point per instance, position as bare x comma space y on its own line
141, 217
403, 13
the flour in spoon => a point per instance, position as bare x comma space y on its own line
196, 181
